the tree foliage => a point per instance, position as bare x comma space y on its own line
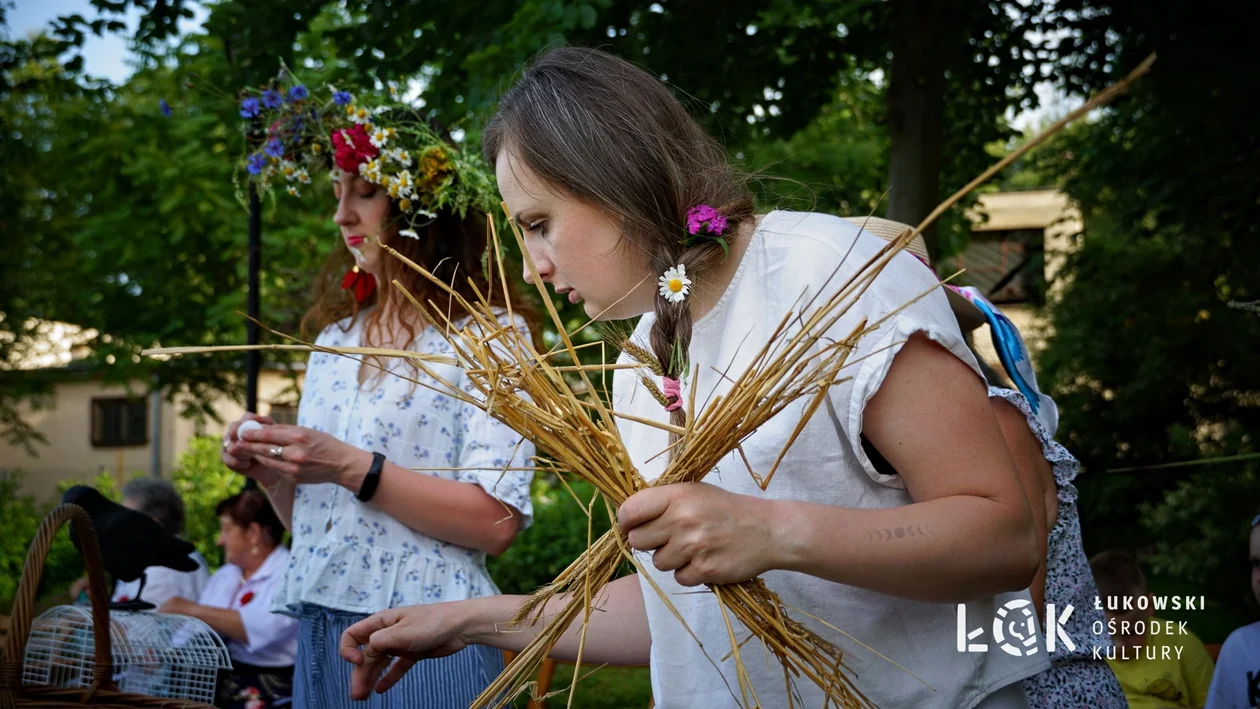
1149, 361
130, 225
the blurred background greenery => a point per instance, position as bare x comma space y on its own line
121, 219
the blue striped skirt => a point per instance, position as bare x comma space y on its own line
322, 679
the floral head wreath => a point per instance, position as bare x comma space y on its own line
378, 137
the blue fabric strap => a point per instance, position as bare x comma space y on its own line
1016, 361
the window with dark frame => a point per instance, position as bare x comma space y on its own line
119, 422
284, 413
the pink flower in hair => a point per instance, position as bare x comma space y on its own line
702, 215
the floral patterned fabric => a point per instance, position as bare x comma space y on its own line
351, 556
1075, 678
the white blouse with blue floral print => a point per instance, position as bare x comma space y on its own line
351, 556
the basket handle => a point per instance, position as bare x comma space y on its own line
24, 604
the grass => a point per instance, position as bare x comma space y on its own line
607, 688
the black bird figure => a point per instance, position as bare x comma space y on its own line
130, 541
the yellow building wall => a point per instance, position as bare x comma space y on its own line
1051, 211
67, 425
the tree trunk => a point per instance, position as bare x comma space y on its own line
915, 97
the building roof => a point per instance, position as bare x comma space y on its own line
1027, 209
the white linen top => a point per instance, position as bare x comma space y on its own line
272, 636
791, 253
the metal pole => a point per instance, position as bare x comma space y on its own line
155, 446
253, 358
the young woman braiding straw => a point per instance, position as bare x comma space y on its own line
620, 192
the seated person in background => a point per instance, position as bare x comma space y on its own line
1156, 663
237, 604
1237, 679
158, 499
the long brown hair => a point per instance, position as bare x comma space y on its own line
609, 133
450, 247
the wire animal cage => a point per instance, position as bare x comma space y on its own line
155, 654
95, 659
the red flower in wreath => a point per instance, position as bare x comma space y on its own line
362, 283
352, 147
249, 596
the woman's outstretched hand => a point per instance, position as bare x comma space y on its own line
389, 643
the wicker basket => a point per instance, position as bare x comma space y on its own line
102, 693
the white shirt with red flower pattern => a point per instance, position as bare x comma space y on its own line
272, 637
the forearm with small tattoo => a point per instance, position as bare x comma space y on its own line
969, 547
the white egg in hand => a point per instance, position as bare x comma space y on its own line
249, 425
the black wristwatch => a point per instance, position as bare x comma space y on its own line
368, 488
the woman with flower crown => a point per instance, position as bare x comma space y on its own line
393, 490
895, 516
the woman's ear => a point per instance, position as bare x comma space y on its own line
255, 534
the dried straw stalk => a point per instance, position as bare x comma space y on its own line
382, 352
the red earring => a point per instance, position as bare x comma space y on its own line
363, 283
